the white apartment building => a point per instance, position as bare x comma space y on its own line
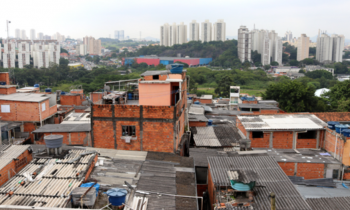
40, 36
54, 52
234, 97
244, 44
9, 55
268, 44
338, 47
194, 31
219, 31
255, 40
278, 51
81, 49
266, 49
164, 35
181, 33
17, 34
32, 34
23, 35
288, 36
324, 48
172, 34
206, 31
23, 54
303, 47
93, 46
40, 55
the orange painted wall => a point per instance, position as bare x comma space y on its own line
155, 94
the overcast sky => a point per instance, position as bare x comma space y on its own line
100, 18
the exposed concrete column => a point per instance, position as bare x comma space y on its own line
318, 139
294, 139
271, 140
69, 139
248, 135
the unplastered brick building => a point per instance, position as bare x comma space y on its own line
148, 116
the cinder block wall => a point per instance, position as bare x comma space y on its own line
306, 170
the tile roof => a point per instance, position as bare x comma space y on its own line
8, 153
329, 203
282, 122
270, 178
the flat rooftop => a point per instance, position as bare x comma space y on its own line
63, 128
25, 97
257, 106
282, 122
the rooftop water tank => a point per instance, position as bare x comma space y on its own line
2, 83
117, 196
210, 122
176, 68
63, 93
54, 144
196, 102
48, 90
346, 132
332, 124
36, 85
339, 128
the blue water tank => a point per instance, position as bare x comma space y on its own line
176, 68
196, 102
48, 90
346, 132
332, 124
63, 93
210, 122
2, 83
117, 196
89, 184
130, 96
36, 85
339, 128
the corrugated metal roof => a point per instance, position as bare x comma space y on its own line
197, 118
196, 110
329, 203
282, 122
151, 73
257, 106
270, 178
50, 128
7, 154
200, 155
205, 137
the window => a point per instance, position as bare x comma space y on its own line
129, 131
43, 107
155, 77
307, 135
5, 108
258, 134
234, 90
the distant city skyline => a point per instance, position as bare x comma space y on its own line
305, 19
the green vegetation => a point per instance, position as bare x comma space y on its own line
115, 45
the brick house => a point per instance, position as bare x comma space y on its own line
153, 121
282, 131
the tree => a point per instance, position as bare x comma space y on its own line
285, 58
223, 90
318, 74
274, 63
308, 61
293, 63
64, 51
292, 96
312, 50
302, 71
339, 95
114, 55
267, 67
64, 61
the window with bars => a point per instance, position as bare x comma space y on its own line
128, 131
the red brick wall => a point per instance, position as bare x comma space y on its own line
161, 77
198, 124
310, 170
71, 100
91, 167
158, 137
29, 127
103, 134
181, 123
4, 76
306, 143
126, 111
346, 175
288, 168
7, 91
283, 140
250, 102
268, 111
163, 112
134, 144
241, 127
333, 143
211, 190
260, 142
77, 138
96, 96
332, 116
102, 110
24, 111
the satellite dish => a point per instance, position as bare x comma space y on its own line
168, 67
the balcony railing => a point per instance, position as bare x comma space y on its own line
233, 102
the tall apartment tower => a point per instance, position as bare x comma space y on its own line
244, 44
54, 51
289, 36
18, 34
93, 47
338, 47
32, 34
164, 35
206, 31
23, 35
303, 47
9, 55
40, 36
181, 33
324, 48
276, 47
265, 48
219, 31
23, 54
172, 34
121, 35
194, 31
81, 49
255, 40
40, 55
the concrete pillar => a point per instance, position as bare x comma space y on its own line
69, 139
295, 139
318, 139
247, 134
271, 140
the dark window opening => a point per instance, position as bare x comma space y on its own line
128, 131
155, 77
335, 174
255, 110
201, 175
307, 135
234, 90
258, 134
245, 109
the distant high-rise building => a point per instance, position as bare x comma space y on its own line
338, 47
288, 36
206, 31
244, 44
266, 48
164, 35
276, 47
32, 34
172, 34
23, 54
181, 33
40, 36
54, 50
18, 34
303, 47
119, 35
47, 37
194, 31
268, 44
219, 31
23, 35
81, 49
255, 40
324, 48
9, 55
93, 46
